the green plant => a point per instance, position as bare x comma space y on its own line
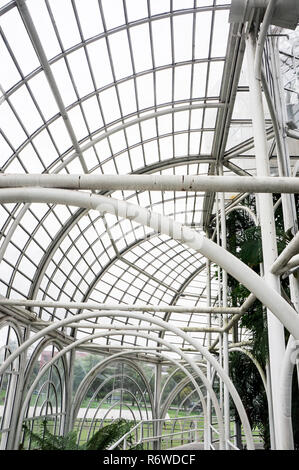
244, 241
101, 440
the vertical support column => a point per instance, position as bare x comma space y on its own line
69, 419
12, 386
157, 424
275, 327
226, 408
121, 390
13, 441
284, 166
290, 219
219, 304
207, 425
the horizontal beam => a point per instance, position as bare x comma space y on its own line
169, 227
97, 326
262, 184
113, 307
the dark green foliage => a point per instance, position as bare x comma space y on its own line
250, 246
250, 387
244, 241
45, 440
107, 435
101, 440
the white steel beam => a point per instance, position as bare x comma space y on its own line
193, 239
169, 327
265, 205
255, 184
122, 307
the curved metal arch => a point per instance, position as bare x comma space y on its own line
246, 209
115, 259
173, 329
186, 398
170, 377
73, 220
267, 295
255, 362
158, 166
146, 283
11, 322
119, 389
173, 348
112, 31
92, 138
177, 389
106, 381
47, 382
180, 366
38, 350
87, 381
166, 383
131, 122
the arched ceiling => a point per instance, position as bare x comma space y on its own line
129, 86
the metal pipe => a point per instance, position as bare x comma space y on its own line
254, 184
293, 263
226, 406
254, 283
168, 327
111, 307
207, 425
173, 349
286, 440
113, 326
289, 251
265, 204
261, 38
292, 134
32, 32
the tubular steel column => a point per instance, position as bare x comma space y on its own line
219, 304
289, 211
275, 327
69, 418
18, 394
157, 424
224, 323
207, 426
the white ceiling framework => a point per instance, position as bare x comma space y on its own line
123, 87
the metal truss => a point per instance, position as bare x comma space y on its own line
128, 135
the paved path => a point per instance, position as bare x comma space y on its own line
191, 446
113, 414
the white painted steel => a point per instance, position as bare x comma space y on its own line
152, 320
286, 440
255, 184
290, 250
123, 307
264, 292
171, 347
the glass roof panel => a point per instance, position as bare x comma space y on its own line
120, 63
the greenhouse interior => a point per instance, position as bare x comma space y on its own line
149, 245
